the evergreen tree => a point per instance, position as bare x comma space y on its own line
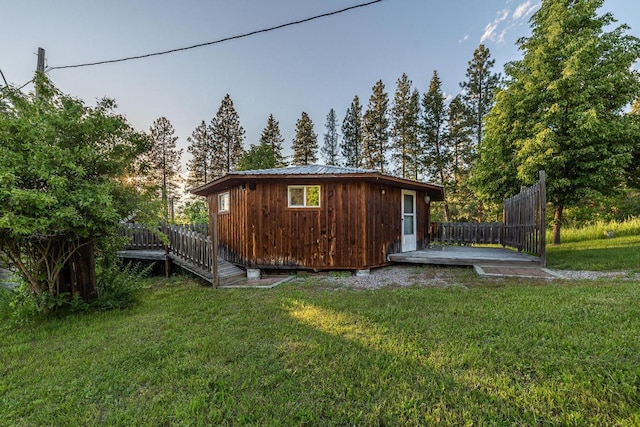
164, 161
199, 167
305, 143
376, 129
463, 205
227, 136
352, 134
436, 152
330, 147
562, 109
405, 115
272, 137
479, 89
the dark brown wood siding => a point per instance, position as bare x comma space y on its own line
356, 226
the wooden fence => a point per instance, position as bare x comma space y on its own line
524, 218
523, 227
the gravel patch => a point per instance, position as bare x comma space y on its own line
595, 275
395, 276
400, 276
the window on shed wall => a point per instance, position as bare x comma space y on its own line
223, 202
304, 196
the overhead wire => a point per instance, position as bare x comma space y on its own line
265, 30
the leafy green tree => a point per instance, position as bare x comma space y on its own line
562, 109
195, 212
199, 166
479, 89
65, 185
435, 142
259, 156
633, 170
164, 161
305, 143
227, 136
405, 115
271, 136
331, 140
376, 129
352, 134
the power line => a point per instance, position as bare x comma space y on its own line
265, 30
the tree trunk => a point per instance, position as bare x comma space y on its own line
557, 222
78, 276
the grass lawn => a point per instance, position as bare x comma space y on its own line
587, 248
619, 253
482, 352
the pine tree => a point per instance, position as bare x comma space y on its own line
352, 134
305, 143
227, 136
479, 89
376, 129
272, 137
437, 155
330, 147
164, 161
463, 206
199, 167
404, 129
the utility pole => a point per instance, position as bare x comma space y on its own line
40, 66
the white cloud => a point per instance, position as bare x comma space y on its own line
490, 29
497, 30
524, 10
521, 9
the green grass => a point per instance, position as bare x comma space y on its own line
587, 248
481, 352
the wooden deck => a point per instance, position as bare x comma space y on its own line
227, 272
467, 256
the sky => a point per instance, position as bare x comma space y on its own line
311, 67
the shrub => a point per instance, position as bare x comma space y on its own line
120, 288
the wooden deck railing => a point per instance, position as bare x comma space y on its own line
141, 237
523, 227
463, 233
186, 243
190, 245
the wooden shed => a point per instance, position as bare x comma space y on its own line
318, 217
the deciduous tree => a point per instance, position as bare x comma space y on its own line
65, 185
562, 109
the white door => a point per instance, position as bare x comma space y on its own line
408, 220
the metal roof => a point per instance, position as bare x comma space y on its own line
435, 191
304, 170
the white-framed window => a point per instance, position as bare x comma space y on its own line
223, 202
304, 196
